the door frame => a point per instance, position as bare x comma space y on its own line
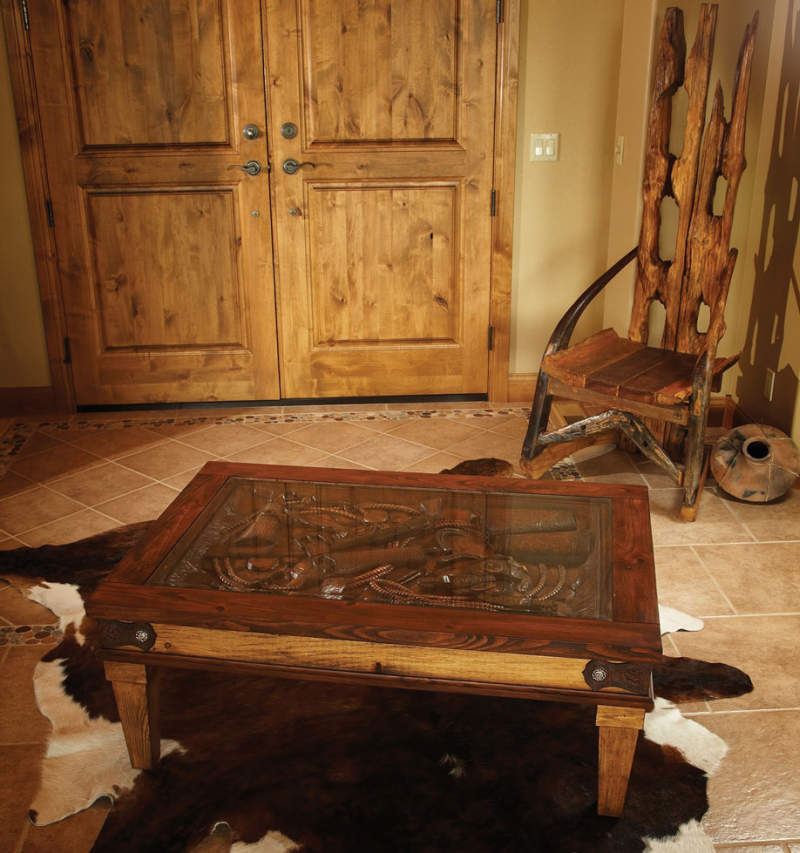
34, 167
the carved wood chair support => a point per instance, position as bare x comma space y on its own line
629, 424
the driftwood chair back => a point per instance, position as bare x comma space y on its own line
653, 390
702, 265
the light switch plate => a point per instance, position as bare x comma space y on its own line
544, 146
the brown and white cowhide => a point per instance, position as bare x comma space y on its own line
261, 765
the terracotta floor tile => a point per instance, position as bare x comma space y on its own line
750, 848
437, 433
166, 460
332, 436
37, 442
279, 451
13, 484
334, 461
280, 429
33, 508
758, 578
100, 484
488, 444
20, 719
142, 505
386, 452
378, 424
765, 647
82, 524
115, 442
714, 522
755, 793
612, 467
58, 461
224, 439
516, 427
16, 609
776, 521
435, 463
76, 834
182, 480
684, 583
655, 476
17, 797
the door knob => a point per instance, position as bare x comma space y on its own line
251, 131
291, 166
252, 167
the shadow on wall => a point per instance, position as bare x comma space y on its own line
775, 278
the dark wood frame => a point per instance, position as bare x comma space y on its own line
34, 168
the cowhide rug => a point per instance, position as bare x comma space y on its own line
267, 765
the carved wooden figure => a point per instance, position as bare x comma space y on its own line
650, 392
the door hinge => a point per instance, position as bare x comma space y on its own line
491, 338
499, 11
51, 220
494, 202
26, 18
67, 351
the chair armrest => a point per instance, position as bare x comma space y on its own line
566, 325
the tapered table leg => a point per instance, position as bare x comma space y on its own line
618, 730
136, 691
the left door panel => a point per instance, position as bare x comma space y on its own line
163, 241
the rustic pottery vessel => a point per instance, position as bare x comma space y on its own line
756, 463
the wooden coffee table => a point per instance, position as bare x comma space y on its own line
508, 587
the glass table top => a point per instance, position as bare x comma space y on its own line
542, 554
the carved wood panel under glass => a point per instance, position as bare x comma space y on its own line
544, 554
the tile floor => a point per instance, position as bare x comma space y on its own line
737, 567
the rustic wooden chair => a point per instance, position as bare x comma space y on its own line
659, 395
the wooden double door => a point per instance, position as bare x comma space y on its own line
254, 200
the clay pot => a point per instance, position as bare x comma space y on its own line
756, 463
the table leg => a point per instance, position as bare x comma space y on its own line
618, 730
136, 691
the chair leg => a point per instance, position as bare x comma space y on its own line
696, 466
540, 414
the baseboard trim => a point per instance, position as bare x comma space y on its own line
32, 400
521, 387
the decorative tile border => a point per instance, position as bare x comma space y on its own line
18, 433
30, 635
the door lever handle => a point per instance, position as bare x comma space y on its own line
252, 167
291, 166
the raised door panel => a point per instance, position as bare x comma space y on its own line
389, 258
177, 292
149, 73
383, 235
380, 71
164, 243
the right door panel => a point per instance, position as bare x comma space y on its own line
382, 214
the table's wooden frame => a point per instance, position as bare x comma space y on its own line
432, 648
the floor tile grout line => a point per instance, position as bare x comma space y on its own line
714, 580
788, 709
769, 613
92, 507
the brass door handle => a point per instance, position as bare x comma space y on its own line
291, 166
252, 167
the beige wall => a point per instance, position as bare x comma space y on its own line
569, 70
23, 354
769, 321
